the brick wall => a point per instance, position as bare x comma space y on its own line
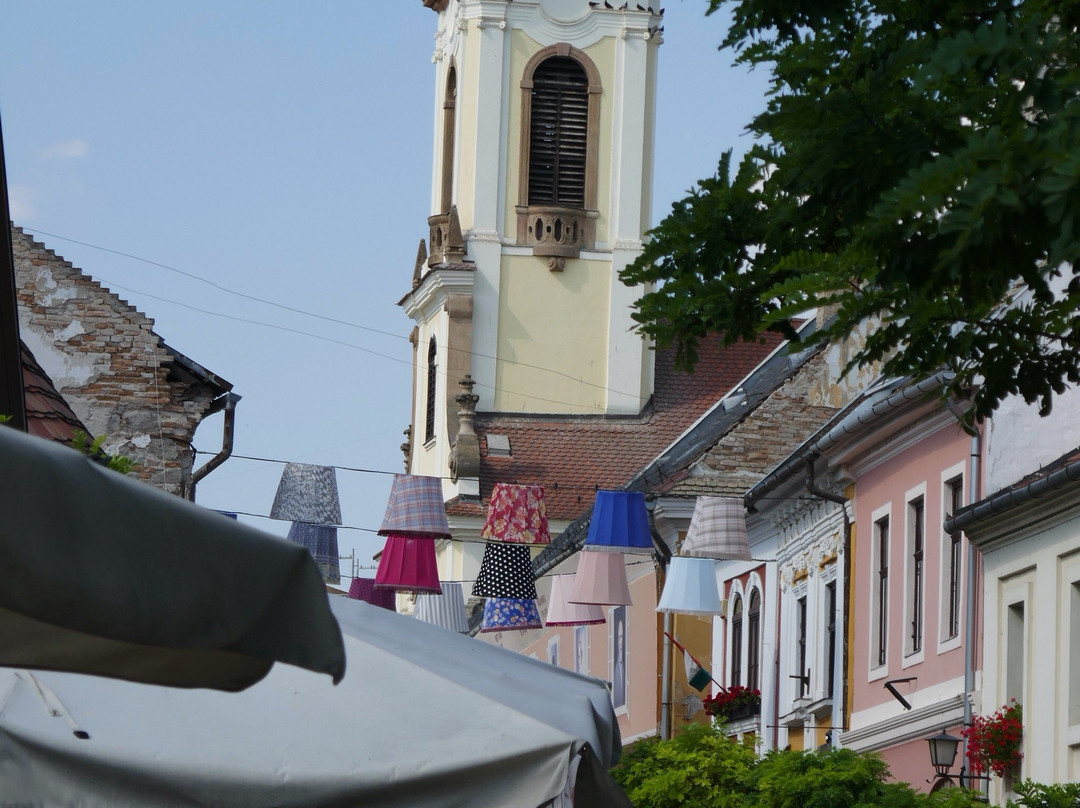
105, 359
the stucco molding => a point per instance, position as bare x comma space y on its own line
919, 723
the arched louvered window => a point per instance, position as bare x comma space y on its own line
560, 110
429, 428
558, 133
736, 642
753, 642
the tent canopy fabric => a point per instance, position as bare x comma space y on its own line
106, 575
425, 717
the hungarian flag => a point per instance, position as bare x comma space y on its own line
696, 674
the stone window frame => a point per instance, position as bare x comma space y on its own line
580, 221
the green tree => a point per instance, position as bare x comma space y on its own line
916, 166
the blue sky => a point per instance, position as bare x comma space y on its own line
282, 151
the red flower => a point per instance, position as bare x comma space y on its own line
993, 741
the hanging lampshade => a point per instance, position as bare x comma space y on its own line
517, 514
717, 530
690, 587
620, 523
307, 494
601, 579
446, 610
322, 542
416, 508
505, 572
408, 564
364, 589
561, 612
510, 614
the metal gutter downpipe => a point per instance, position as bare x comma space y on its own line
662, 556
969, 615
229, 404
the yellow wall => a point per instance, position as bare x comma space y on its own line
468, 84
795, 739
553, 320
696, 634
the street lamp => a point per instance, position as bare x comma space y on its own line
943, 752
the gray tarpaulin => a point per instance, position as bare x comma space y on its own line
103, 574
424, 717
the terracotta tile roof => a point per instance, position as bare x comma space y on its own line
573, 456
47, 413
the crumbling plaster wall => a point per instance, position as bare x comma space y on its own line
105, 359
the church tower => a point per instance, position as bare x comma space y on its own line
542, 175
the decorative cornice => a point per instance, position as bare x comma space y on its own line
437, 285
907, 726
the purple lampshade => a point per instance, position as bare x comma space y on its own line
364, 589
561, 612
620, 523
510, 614
517, 514
416, 508
601, 579
408, 564
505, 572
717, 530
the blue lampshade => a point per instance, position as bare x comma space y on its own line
620, 523
510, 614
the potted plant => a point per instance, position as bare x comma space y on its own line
733, 703
993, 741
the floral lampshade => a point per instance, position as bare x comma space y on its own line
364, 589
517, 514
561, 612
506, 571
408, 564
601, 580
416, 508
717, 530
691, 587
510, 614
620, 523
446, 610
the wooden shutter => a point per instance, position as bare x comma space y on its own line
558, 133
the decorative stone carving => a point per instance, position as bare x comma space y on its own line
465, 453
406, 447
447, 243
421, 259
557, 232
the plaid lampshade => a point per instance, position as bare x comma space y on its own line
691, 587
307, 494
505, 572
364, 589
561, 612
620, 523
446, 610
408, 564
517, 514
416, 508
510, 614
717, 530
601, 579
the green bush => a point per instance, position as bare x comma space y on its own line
1038, 795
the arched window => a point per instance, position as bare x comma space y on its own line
560, 103
429, 430
449, 119
736, 641
753, 641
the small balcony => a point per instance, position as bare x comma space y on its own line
555, 232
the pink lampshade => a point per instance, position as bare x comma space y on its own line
416, 508
601, 579
561, 612
717, 530
409, 564
517, 514
364, 589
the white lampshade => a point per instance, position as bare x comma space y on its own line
691, 587
446, 610
601, 579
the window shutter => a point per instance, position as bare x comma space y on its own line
558, 133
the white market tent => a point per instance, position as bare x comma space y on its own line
423, 717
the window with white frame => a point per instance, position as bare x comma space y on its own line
1074, 654
432, 369
830, 638
879, 598
952, 552
802, 675
916, 573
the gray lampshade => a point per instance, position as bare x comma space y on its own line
307, 494
446, 610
